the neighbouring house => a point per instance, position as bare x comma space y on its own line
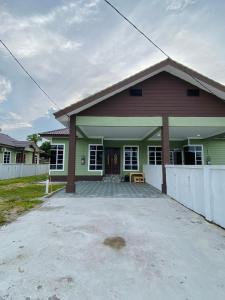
166, 114
13, 151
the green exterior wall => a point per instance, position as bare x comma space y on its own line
28, 157
82, 151
213, 149
197, 121
118, 121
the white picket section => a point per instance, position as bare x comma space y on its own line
153, 175
200, 188
21, 170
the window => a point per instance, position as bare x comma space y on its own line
172, 157
193, 92
20, 158
7, 157
95, 161
36, 159
131, 158
136, 92
154, 155
193, 155
57, 157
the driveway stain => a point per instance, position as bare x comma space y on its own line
39, 287
196, 222
20, 270
20, 256
66, 279
54, 297
115, 242
49, 208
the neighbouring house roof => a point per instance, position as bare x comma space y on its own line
58, 132
6, 140
167, 65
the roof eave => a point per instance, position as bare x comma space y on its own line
165, 65
109, 91
54, 135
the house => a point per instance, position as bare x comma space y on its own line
166, 114
13, 151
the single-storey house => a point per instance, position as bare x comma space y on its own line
165, 114
13, 151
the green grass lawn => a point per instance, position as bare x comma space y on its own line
18, 195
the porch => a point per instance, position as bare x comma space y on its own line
101, 189
120, 145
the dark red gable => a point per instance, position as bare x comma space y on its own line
162, 94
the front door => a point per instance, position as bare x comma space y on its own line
112, 160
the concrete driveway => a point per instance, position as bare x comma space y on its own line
57, 252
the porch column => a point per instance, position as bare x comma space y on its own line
70, 187
165, 151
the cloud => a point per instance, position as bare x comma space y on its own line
46, 44
13, 120
5, 88
8, 126
176, 5
37, 35
36, 40
76, 48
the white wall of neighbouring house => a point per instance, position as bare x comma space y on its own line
153, 175
200, 188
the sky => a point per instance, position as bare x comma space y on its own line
76, 48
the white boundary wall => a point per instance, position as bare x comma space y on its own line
21, 170
200, 188
153, 175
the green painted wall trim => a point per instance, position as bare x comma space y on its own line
118, 121
196, 121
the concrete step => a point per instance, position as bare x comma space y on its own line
112, 178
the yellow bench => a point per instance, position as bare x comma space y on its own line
138, 177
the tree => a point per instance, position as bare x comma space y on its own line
34, 138
46, 147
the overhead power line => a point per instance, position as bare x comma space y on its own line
153, 43
137, 28
29, 75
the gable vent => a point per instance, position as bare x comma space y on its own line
193, 92
136, 92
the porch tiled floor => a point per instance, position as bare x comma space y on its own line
112, 189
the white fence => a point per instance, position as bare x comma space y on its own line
153, 175
200, 188
21, 170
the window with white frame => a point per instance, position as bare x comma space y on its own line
172, 157
154, 155
95, 162
193, 155
7, 157
131, 158
36, 159
57, 157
